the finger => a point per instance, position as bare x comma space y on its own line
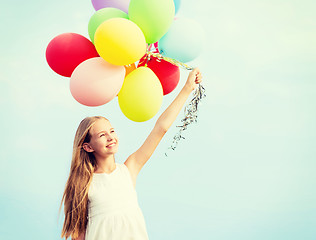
198, 80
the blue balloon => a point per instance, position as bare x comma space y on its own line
183, 41
177, 4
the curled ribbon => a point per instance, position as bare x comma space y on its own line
191, 109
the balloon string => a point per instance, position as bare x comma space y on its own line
190, 110
171, 60
149, 47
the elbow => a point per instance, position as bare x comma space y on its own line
162, 128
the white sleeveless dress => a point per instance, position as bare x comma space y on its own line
113, 210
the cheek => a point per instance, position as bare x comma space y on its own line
98, 142
116, 137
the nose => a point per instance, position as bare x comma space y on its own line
109, 138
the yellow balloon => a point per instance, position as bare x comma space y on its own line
140, 97
120, 41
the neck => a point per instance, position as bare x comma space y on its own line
105, 164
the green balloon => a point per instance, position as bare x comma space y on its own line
154, 17
101, 16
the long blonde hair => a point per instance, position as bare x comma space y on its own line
75, 197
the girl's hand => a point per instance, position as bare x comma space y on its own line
194, 78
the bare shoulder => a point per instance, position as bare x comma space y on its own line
132, 168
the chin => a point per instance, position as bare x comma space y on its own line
115, 150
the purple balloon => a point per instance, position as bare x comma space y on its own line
120, 4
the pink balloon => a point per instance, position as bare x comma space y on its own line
96, 82
120, 4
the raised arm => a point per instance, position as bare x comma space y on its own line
137, 160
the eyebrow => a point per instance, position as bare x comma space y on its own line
104, 131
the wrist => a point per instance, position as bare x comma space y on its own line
188, 88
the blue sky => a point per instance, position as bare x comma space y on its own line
245, 170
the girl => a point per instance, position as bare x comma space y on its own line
100, 201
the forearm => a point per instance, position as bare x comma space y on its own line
163, 123
170, 114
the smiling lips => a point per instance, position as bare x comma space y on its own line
111, 144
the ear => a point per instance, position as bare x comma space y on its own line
87, 147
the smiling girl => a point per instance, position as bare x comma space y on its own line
100, 201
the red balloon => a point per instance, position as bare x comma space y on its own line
66, 51
168, 74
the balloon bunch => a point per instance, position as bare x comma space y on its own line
119, 59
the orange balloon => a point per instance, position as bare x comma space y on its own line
129, 68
